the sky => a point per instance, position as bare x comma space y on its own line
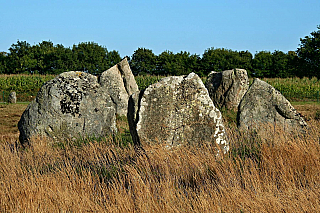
174, 25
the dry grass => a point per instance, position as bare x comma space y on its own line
271, 172
309, 111
9, 116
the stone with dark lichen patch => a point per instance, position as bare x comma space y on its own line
177, 110
71, 105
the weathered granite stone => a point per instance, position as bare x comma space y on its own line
227, 88
119, 82
176, 110
12, 98
263, 105
71, 105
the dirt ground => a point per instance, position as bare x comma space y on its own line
9, 116
308, 110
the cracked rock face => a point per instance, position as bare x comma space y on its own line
71, 105
227, 88
119, 82
177, 110
263, 104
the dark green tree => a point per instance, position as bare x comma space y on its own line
187, 63
3, 62
20, 58
63, 60
279, 65
262, 64
45, 58
44, 54
143, 61
221, 59
181, 63
112, 58
309, 53
90, 57
165, 63
293, 65
245, 61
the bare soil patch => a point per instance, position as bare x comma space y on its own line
9, 117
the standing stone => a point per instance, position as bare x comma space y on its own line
227, 88
263, 104
12, 98
71, 105
176, 110
119, 82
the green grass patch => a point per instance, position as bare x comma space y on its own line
305, 103
297, 89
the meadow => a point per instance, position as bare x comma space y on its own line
269, 172
297, 89
272, 171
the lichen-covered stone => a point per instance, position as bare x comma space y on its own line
12, 98
263, 105
227, 88
176, 110
119, 82
71, 105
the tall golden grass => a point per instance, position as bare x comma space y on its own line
271, 172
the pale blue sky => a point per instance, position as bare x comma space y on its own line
175, 25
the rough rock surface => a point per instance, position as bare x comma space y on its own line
227, 88
176, 110
120, 84
263, 104
71, 105
12, 98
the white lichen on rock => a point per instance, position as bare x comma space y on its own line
176, 110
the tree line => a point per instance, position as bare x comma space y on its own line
47, 58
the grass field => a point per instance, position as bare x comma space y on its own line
297, 89
27, 86
271, 172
